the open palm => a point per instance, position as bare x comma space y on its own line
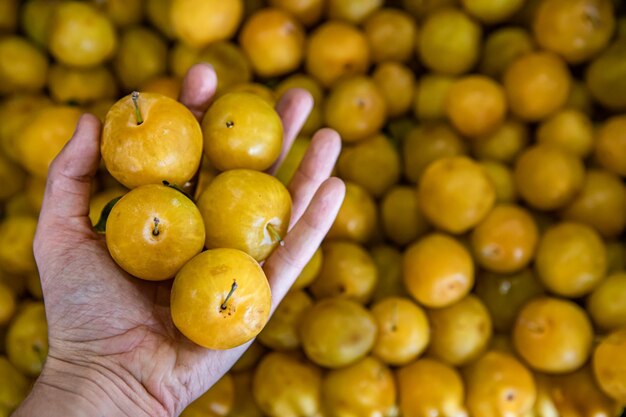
113, 332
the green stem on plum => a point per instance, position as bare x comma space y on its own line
135, 97
274, 234
232, 290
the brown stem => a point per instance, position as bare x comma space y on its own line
230, 293
155, 231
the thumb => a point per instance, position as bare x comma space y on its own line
71, 173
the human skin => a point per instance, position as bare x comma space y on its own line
113, 349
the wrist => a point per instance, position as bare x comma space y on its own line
71, 390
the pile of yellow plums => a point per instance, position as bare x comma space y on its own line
477, 267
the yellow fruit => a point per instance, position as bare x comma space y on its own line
16, 244
159, 14
11, 177
310, 271
570, 130
391, 34
27, 339
273, 41
388, 262
149, 138
228, 60
15, 112
307, 11
427, 143
455, 194
428, 387
553, 335
35, 19
492, 11
78, 85
373, 163
220, 299
291, 163
8, 15
80, 35
605, 77
233, 138
505, 241
246, 210
502, 47
335, 51
537, 85
476, 105
438, 271
401, 217
449, 42
431, 91
352, 11
610, 145
600, 204
250, 358
284, 385
337, 332
606, 304
504, 144
366, 388
403, 330
244, 405
396, 82
460, 332
153, 231
14, 388
575, 29
281, 332
571, 259
23, 67
499, 385
142, 55
548, 177
122, 12
347, 271
201, 22
356, 109
502, 178
218, 401
357, 216
165, 85
7, 304
609, 363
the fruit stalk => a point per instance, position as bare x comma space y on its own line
230, 293
274, 234
135, 97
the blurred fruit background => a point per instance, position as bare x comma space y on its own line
478, 264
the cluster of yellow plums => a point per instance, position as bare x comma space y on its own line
477, 266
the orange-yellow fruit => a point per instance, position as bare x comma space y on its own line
336, 50
391, 34
218, 401
438, 271
503, 46
357, 216
80, 35
396, 82
403, 330
307, 11
80, 85
505, 240
202, 309
537, 84
575, 29
159, 140
273, 41
233, 138
356, 109
609, 361
246, 210
200, 22
428, 387
475, 105
142, 55
547, 177
47, 132
610, 145
352, 11
23, 67
503, 144
571, 259
401, 217
502, 178
281, 332
607, 303
153, 231
553, 335
455, 194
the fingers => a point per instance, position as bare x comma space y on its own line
315, 168
285, 264
293, 108
198, 89
71, 173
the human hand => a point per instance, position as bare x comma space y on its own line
113, 349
